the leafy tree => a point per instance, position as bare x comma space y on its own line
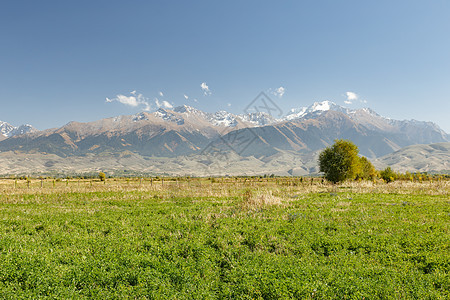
102, 176
367, 170
340, 161
388, 175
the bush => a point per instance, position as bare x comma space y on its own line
388, 175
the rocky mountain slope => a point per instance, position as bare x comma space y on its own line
164, 133
311, 129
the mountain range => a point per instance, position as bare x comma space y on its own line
185, 140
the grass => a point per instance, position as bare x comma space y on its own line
224, 239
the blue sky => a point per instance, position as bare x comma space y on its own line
78, 60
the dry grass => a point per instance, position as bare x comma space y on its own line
399, 187
262, 192
260, 199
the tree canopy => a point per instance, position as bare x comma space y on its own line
367, 170
388, 175
102, 176
340, 162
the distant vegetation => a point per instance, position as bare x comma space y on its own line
388, 175
102, 176
341, 162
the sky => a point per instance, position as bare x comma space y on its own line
63, 61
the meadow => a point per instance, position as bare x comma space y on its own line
224, 238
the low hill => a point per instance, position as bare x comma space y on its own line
418, 158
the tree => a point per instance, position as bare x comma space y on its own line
102, 176
367, 170
388, 175
340, 161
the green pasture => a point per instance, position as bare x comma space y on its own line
173, 244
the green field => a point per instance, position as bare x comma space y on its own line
224, 239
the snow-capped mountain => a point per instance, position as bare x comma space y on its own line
316, 109
259, 118
221, 118
370, 119
419, 131
169, 116
184, 134
254, 119
185, 113
22, 129
7, 130
185, 130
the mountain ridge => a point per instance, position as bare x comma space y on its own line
227, 119
256, 137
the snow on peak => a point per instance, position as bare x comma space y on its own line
258, 118
185, 109
316, 108
370, 111
185, 113
224, 118
140, 117
296, 113
7, 130
220, 118
169, 116
321, 106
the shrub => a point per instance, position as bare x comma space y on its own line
388, 175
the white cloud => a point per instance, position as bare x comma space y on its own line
161, 94
186, 96
351, 97
195, 100
134, 100
128, 100
278, 92
163, 104
228, 104
205, 89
